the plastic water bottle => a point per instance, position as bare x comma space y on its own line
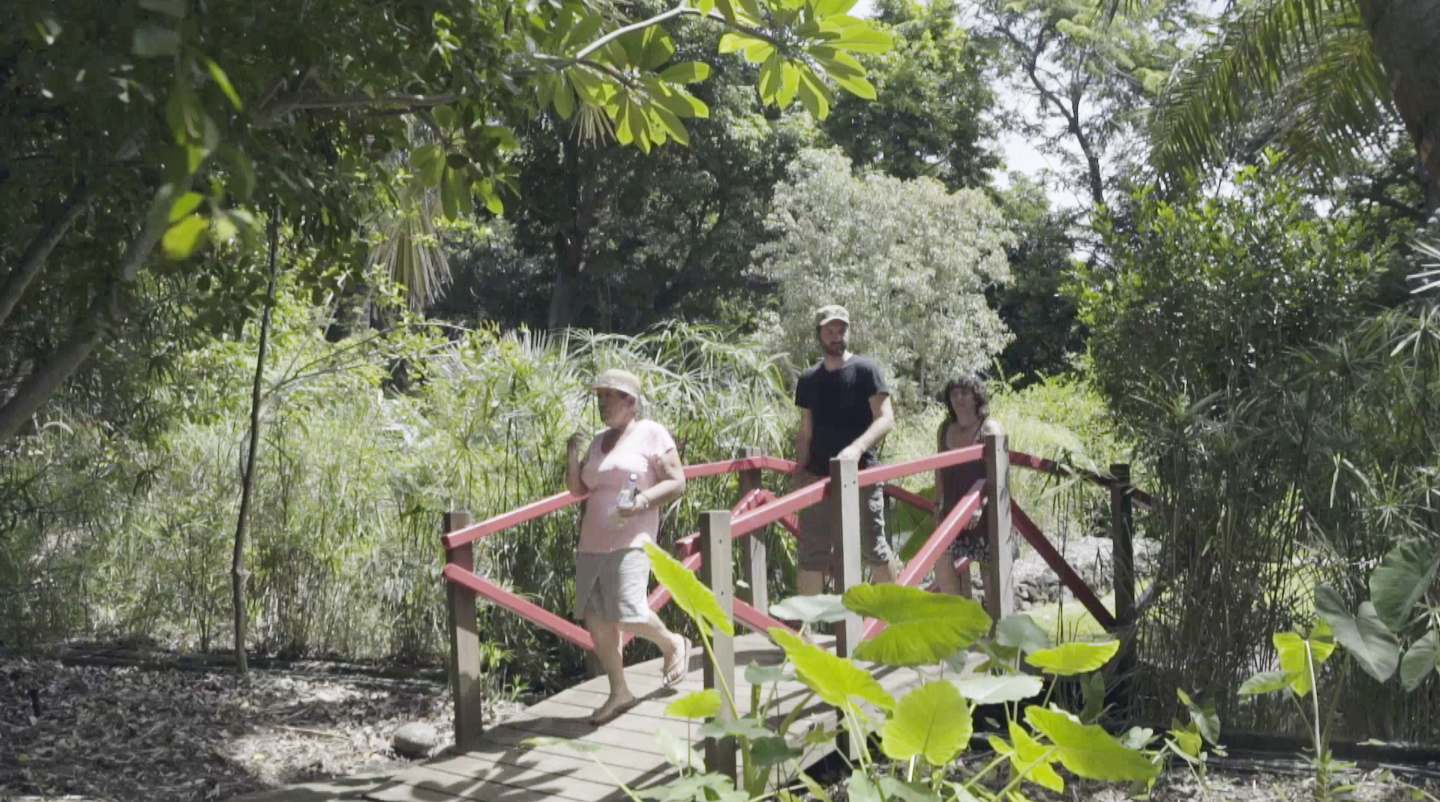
626, 499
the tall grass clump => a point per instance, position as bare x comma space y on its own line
108, 536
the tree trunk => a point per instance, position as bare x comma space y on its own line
238, 574
571, 240
44, 382
106, 309
33, 260
1406, 37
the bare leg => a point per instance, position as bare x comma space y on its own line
655, 631
880, 574
607, 650
811, 582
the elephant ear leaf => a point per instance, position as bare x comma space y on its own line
1402, 579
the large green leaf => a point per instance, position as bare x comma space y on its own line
1089, 751
771, 78
924, 628
697, 786
860, 788
996, 690
897, 790
677, 752
1032, 759
756, 674
817, 609
222, 80
932, 720
1021, 632
1401, 579
1267, 682
184, 205
863, 40
858, 87
700, 704
833, 679
182, 238
1422, 658
773, 750
428, 164
840, 64
1069, 659
689, 592
687, 72
1303, 657
665, 120
744, 727
1204, 717
733, 42
1365, 636
814, 95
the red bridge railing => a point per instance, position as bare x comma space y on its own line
757, 508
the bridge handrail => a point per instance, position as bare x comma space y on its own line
1023, 460
758, 508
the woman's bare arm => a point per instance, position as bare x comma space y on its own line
672, 483
574, 464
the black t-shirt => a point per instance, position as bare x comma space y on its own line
839, 404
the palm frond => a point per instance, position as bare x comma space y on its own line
408, 246
1296, 74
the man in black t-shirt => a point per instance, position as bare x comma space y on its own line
845, 411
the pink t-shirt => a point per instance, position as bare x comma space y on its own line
602, 529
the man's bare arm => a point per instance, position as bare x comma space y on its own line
802, 438
884, 420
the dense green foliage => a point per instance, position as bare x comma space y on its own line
447, 180
1287, 419
910, 259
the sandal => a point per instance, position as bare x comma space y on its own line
676, 669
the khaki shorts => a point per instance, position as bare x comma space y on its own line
820, 536
611, 586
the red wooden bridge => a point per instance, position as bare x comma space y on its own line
492, 766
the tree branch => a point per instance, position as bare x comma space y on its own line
671, 14
282, 105
33, 260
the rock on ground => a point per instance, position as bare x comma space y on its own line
415, 739
1036, 584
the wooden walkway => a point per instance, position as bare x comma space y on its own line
502, 770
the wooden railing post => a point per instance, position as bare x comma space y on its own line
466, 687
999, 578
717, 572
1122, 523
844, 501
1122, 520
755, 550
1122, 554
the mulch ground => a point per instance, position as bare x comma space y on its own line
123, 734
132, 734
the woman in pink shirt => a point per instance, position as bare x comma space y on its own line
612, 570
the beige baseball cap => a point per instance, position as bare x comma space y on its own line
830, 312
616, 379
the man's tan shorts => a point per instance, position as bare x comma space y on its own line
820, 535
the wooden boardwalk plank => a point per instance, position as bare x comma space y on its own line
501, 769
